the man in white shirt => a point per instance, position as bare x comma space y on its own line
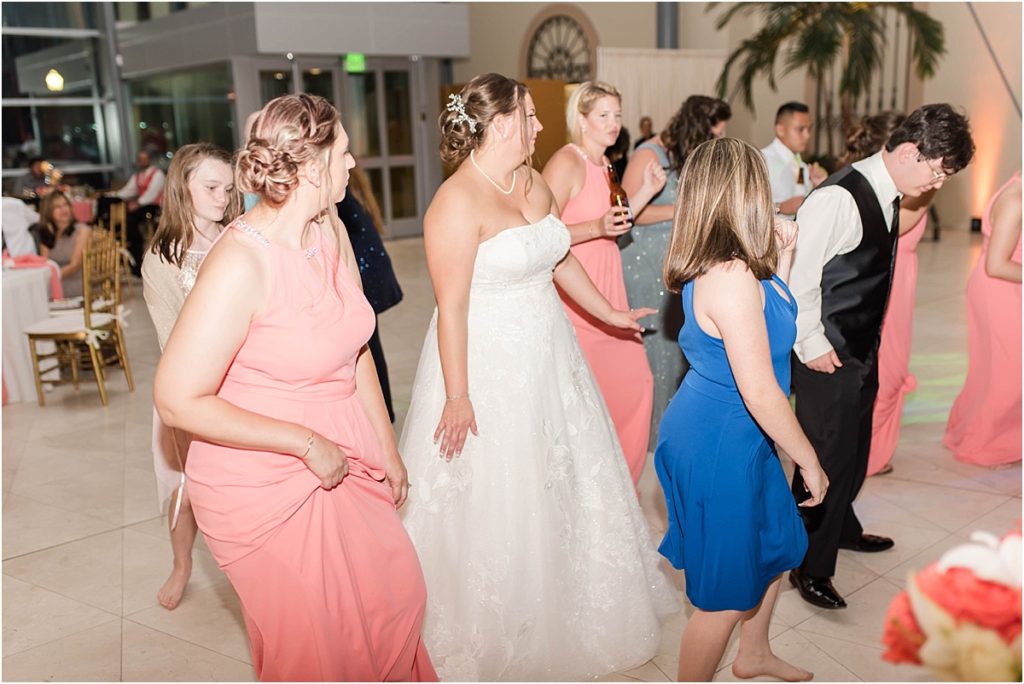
841, 275
144, 193
17, 218
790, 176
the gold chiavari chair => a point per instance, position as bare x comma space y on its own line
85, 329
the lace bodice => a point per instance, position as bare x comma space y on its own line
520, 256
190, 269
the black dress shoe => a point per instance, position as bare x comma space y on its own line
818, 592
868, 543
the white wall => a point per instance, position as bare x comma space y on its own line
968, 78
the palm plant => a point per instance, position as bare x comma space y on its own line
815, 36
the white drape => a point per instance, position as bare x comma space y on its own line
655, 82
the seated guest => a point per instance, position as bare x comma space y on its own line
63, 240
143, 192
791, 178
26, 186
18, 217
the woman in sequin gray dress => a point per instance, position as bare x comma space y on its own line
199, 199
699, 119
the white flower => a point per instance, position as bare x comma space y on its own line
987, 558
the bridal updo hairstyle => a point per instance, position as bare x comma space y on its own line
869, 135
483, 98
289, 131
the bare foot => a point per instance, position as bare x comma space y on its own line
170, 594
771, 665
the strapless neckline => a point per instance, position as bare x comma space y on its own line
513, 228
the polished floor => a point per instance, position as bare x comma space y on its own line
85, 550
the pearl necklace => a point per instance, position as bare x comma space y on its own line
491, 180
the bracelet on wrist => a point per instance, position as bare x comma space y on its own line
457, 396
309, 444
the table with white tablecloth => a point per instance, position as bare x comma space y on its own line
25, 303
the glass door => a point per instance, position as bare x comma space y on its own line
378, 113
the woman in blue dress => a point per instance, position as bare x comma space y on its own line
733, 526
699, 118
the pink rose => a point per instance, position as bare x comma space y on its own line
968, 599
903, 636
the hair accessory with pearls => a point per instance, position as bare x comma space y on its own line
456, 105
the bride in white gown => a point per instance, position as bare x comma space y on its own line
538, 561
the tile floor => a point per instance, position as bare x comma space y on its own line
84, 548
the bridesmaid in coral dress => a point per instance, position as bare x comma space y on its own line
985, 423
293, 471
578, 179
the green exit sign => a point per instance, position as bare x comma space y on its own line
355, 62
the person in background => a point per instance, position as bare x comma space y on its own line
618, 154
63, 240
646, 131
577, 175
984, 425
144, 193
200, 199
699, 119
791, 177
733, 526
18, 218
842, 271
894, 377
360, 213
30, 183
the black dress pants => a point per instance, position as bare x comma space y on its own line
835, 412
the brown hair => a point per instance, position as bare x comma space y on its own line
582, 101
176, 231
691, 125
939, 132
47, 229
362, 190
483, 98
869, 135
723, 211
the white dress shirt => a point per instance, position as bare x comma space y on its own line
17, 218
830, 225
131, 188
783, 169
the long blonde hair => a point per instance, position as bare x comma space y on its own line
362, 190
582, 102
723, 211
176, 231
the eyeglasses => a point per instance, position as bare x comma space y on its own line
937, 174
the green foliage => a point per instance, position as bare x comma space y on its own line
815, 35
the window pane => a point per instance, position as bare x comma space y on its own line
319, 82
34, 66
361, 120
403, 192
68, 134
80, 15
377, 183
397, 102
274, 84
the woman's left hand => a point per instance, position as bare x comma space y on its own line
654, 177
627, 320
786, 231
396, 476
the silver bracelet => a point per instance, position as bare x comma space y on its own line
309, 445
457, 396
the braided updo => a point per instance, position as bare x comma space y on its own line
483, 98
289, 131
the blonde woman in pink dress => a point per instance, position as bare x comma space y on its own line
199, 195
293, 471
985, 423
578, 177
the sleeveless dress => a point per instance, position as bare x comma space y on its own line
62, 252
895, 380
164, 288
733, 525
643, 260
616, 357
985, 423
538, 561
330, 586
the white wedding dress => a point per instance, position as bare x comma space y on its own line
538, 562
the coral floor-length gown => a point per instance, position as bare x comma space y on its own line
985, 423
330, 585
616, 357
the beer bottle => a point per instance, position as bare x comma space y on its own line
620, 199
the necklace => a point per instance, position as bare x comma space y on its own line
491, 180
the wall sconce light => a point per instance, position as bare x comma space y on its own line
54, 81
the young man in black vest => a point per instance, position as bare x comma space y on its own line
841, 274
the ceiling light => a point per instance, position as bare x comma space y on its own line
54, 81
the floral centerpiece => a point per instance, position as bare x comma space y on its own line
961, 617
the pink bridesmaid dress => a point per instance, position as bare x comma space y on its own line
895, 380
616, 357
330, 585
984, 425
